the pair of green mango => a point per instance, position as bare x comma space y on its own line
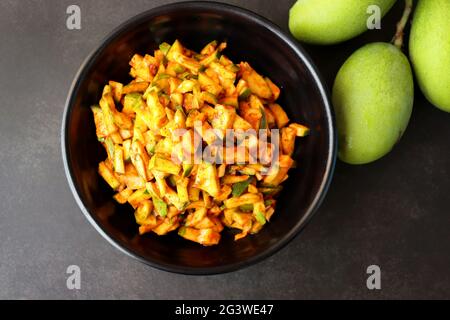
373, 92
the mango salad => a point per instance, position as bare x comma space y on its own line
199, 93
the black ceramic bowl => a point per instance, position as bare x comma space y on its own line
250, 38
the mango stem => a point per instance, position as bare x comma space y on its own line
398, 38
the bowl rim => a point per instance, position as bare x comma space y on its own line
316, 77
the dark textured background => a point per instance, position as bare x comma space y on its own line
394, 213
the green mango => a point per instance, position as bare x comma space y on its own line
429, 47
332, 21
373, 97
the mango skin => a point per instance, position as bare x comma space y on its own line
373, 97
332, 21
429, 48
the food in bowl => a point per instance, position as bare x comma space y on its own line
195, 143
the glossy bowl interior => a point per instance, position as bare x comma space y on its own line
250, 38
